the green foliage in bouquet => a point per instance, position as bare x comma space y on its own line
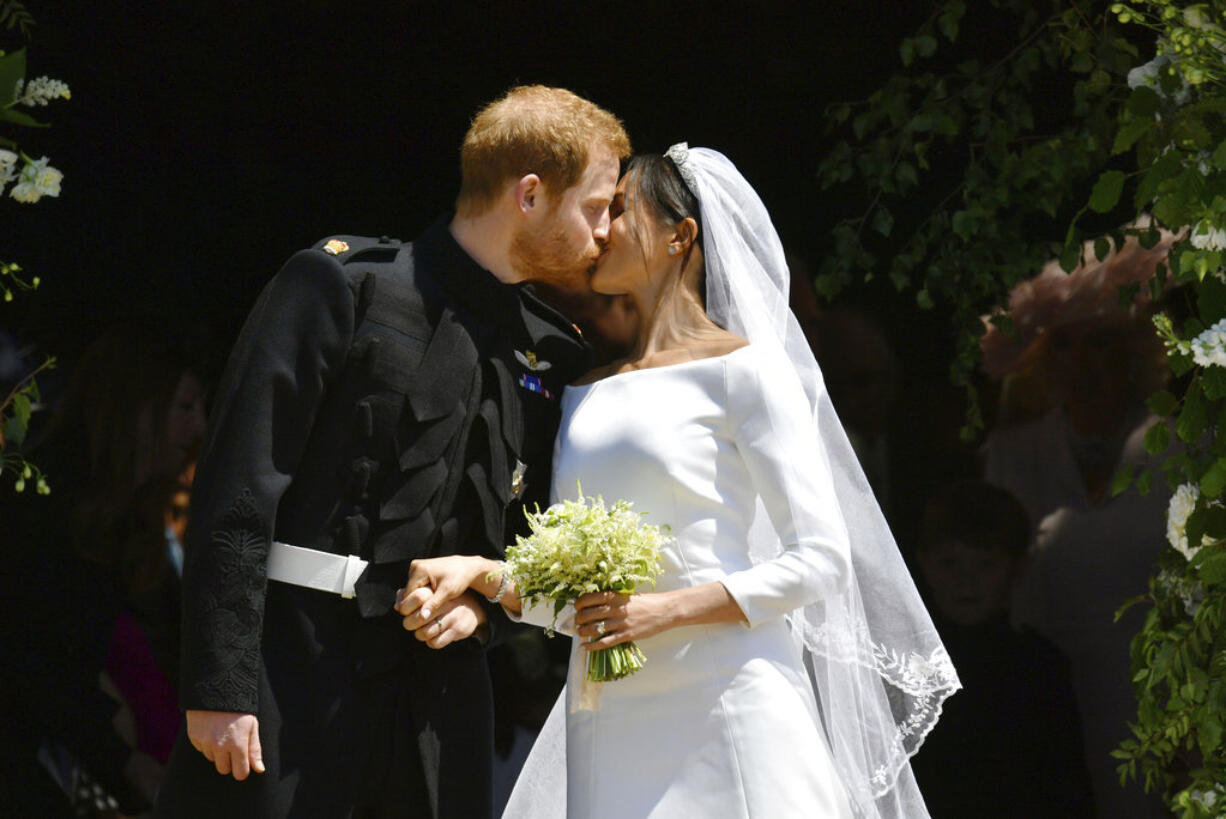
579, 546
1132, 137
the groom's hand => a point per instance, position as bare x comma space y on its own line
231, 741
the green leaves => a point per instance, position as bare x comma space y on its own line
1219, 156
1157, 437
1162, 403
1213, 383
1213, 482
906, 51
1122, 480
949, 19
1107, 191
923, 45
883, 221
1143, 102
12, 71
16, 425
13, 16
1129, 133
1194, 418
1165, 167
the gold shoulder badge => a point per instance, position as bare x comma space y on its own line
529, 360
335, 247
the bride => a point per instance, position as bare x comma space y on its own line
791, 667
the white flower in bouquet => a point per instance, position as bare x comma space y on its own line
37, 179
577, 547
1209, 348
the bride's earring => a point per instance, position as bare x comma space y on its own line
672, 250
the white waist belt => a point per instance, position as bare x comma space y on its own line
314, 569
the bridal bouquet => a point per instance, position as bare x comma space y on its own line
578, 546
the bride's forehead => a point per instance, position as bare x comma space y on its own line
628, 187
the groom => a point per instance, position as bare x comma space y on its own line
383, 402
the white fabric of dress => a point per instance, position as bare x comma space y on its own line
721, 721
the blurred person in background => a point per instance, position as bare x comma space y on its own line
1009, 745
1072, 412
91, 598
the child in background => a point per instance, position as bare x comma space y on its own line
1008, 745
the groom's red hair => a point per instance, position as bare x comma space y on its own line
533, 129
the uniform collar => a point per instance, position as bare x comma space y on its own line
470, 284
479, 290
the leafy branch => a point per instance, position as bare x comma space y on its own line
31, 182
13, 16
1134, 139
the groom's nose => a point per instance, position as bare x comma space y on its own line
600, 231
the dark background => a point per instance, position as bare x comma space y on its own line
205, 143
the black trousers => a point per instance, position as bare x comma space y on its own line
357, 719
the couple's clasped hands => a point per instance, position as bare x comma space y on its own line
436, 603
439, 604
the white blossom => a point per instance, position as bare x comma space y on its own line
37, 179
1194, 18
41, 91
1207, 237
8, 168
1209, 348
1174, 583
1183, 503
1147, 74
1206, 798
1203, 163
1150, 75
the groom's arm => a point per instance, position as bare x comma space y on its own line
294, 341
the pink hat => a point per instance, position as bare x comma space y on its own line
1055, 298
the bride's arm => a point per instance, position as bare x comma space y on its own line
771, 421
636, 616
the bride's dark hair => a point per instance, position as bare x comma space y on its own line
659, 183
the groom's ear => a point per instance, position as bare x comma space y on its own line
528, 193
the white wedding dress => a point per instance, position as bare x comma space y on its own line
721, 722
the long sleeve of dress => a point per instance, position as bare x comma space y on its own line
770, 422
295, 339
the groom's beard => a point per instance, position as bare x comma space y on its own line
549, 256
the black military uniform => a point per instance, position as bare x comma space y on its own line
385, 400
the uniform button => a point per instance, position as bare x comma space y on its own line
364, 419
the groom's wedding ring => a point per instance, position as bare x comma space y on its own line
600, 627
438, 626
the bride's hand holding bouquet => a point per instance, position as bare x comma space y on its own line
577, 552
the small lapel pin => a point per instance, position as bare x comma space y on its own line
532, 383
335, 247
517, 478
529, 360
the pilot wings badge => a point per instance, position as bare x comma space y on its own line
529, 360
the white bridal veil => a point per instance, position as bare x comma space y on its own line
878, 668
